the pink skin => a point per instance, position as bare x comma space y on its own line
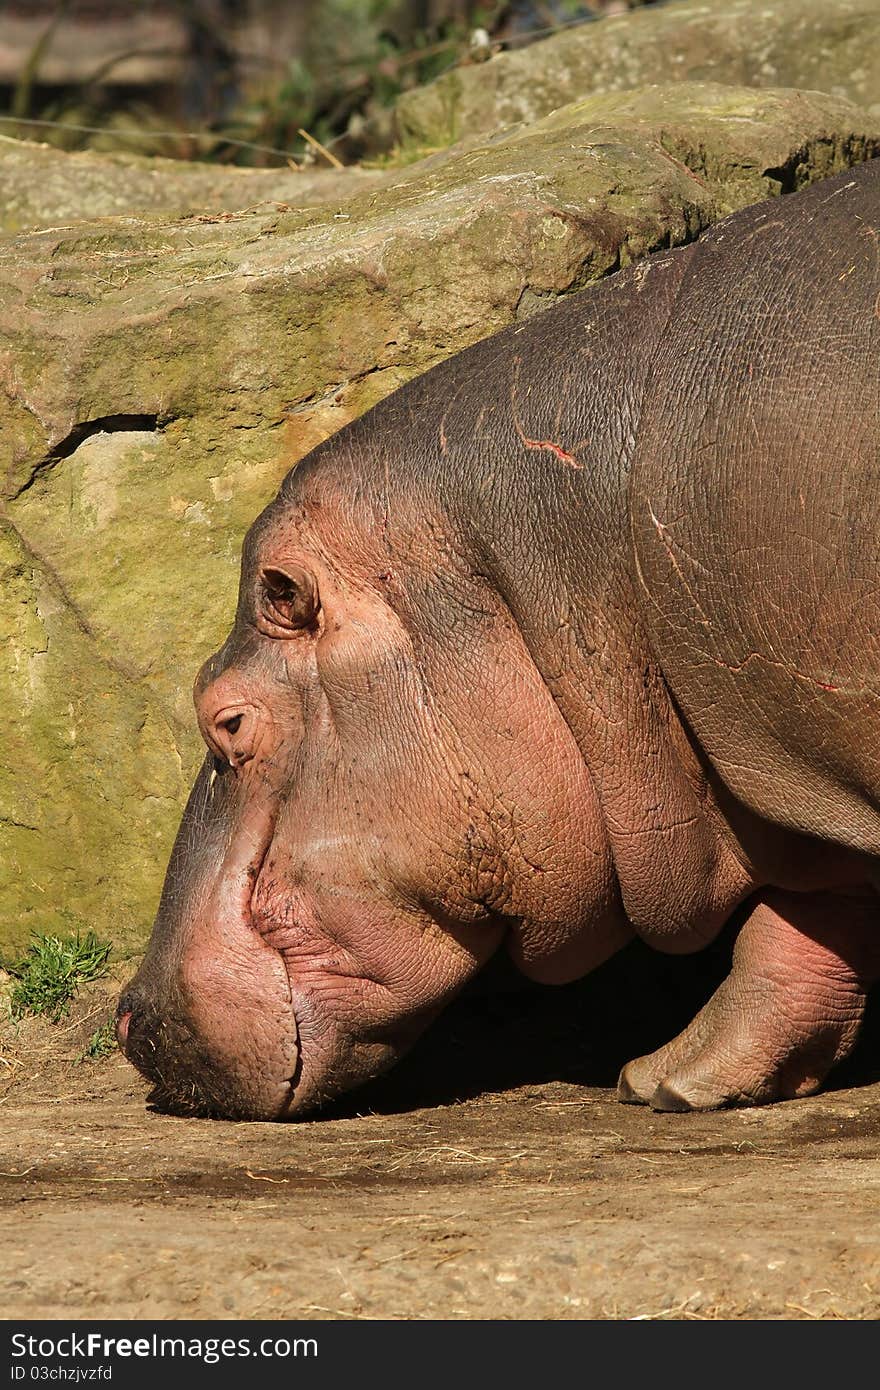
390, 806
790, 1008
318, 865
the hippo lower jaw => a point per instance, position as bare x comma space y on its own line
330, 1061
342, 1016
240, 1019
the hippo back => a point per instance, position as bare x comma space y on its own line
753, 503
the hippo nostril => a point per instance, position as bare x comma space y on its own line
232, 725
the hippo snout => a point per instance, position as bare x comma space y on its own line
190, 1075
161, 1046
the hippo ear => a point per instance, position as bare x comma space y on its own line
289, 598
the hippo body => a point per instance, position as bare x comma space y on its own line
574, 638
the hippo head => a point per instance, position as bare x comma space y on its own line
388, 790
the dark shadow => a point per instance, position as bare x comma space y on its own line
504, 1032
863, 1067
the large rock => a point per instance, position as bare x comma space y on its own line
44, 187
817, 45
160, 376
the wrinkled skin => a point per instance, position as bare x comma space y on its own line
575, 637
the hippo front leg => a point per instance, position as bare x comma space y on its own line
790, 1009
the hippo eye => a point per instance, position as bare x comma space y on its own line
290, 599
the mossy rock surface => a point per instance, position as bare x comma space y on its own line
159, 375
43, 186
816, 45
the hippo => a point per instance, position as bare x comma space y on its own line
573, 639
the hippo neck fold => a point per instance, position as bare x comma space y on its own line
537, 452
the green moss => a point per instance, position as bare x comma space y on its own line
91, 781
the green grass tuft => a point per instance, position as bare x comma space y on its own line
100, 1044
52, 970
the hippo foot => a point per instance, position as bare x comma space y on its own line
788, 1011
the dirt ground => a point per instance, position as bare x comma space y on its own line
492, 1176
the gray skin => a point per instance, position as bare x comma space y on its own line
575, 638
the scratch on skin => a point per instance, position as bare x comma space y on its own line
661, 530
737, 666
763, 227
547, 445
837, 192
444, 442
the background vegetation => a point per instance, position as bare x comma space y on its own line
239, 81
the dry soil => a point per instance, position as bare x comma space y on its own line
492, 1176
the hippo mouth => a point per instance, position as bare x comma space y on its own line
351, 1022
283, 921
254, 1003
209, 1018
